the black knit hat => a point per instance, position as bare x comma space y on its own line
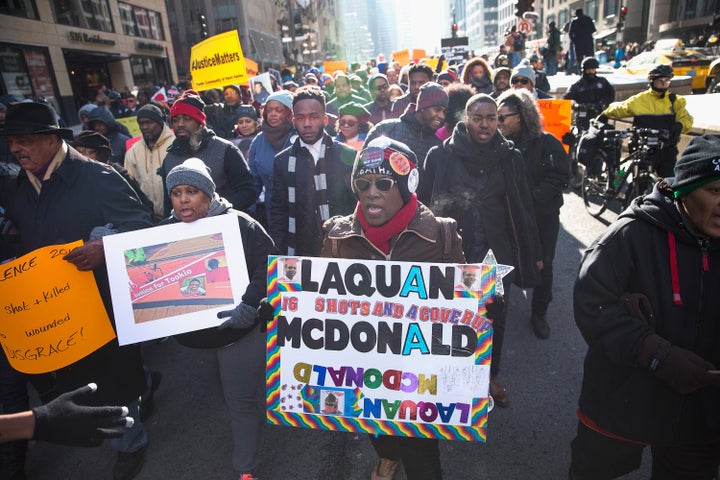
431, 95
698, 164
389, 157
247, 111
152, 112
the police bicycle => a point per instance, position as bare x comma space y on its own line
613, 178
582, 113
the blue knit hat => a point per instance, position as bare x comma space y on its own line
282, 96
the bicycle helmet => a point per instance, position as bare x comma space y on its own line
660, 71
590, 62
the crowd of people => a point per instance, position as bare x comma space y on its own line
297, 168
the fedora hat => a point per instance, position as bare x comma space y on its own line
91, 139
29, 118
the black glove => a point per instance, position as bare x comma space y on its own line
243, 316
266, 313
66, 422
495, 308
675, 131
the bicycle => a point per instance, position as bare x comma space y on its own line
622, 179
582, 113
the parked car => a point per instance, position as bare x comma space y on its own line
714, 77
684, 61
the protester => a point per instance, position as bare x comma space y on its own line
221, 118
523, 76
103, 122
318, 163
193, 138
477, 73
515, 44
478, 178
646, 303
395, 92
381, 106
541, 81
446, 78
501, 81
68, 198
581, 31
84, 113
547, 169
237, 346
246, 128
392, 221
146, 156
458, 95
418, 75
353, 125
552, 49
343, 94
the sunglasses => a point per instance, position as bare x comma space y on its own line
382, 184
347, 123
523, 81
501, 118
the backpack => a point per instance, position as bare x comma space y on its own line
519, 43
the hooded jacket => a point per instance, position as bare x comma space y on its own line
650, 249
115, 137
483, 187
409, 131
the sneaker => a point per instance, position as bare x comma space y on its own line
147, 400
247, 476
128, 464
540, 326
384, 470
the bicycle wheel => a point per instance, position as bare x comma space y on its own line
576, 168
597, 190
642, 185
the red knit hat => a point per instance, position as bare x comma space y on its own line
190, 104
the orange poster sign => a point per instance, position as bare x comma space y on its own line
557, 117
418, 54
402, 57
330, 66
52, 314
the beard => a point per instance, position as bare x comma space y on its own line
191, 142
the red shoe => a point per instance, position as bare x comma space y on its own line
247, 476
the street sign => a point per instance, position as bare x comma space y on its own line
525, 26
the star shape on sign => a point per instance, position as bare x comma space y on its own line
500, 271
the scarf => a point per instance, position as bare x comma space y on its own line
218, 206
277, 136
380, 236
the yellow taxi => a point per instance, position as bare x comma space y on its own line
684, 62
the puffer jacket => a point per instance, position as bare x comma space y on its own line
648, 250
407, 130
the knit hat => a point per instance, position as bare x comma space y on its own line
523, 70
282, 96
247, 111
92, 139
151, 112
234, 87
193, 172
698, 164
356, 110
190, 104
504, 70
390, 157
372, 79
431, 95
446, 75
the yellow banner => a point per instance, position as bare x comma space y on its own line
218, 61
432, 63
331, 66
557, 117
131, 124
402, 57
52, 314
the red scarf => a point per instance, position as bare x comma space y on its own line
380, 236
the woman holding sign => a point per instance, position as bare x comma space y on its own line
239, 342
389, 223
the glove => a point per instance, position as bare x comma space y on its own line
495, 308
66, 422
242, 316
88, 256
675, 131
266, 313
683, 370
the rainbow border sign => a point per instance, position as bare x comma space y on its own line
394, 348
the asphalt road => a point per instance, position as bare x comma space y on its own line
190, 433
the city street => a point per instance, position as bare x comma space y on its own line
190, 433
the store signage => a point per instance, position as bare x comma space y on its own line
85, 38
149, 46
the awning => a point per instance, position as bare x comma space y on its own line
88, 55
266, 48
602, 34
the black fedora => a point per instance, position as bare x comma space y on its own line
30, 118
91, 139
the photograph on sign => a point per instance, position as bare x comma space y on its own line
161, 288
399, 348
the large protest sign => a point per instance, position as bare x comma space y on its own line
396, 348
218, 61
164, 287
52, 313
557, 117
455, 49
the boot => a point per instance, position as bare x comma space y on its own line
384, 470
540, 326
498, 393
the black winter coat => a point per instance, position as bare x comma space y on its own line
547, 168
409, 131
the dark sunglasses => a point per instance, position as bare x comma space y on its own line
347, 123
501, 118
382, 184
523, 81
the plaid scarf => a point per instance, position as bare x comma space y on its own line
321, 196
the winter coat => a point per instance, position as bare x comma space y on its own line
80, 195
222, 119
483, 187
591, 90
636, 255
115, 137
143, 163
228, 168
308, 224
581, 35
547, 168
407, 130
423, 240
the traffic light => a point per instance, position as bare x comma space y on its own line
454, 30
522, 6
621, 18
203, 25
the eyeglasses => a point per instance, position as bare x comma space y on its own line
382, 184
501, 118
523, 81
662, 80
347, 123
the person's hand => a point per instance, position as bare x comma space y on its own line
686, 372
495, 308
675, 132
242, 316
266, 313
88, 256
67, 422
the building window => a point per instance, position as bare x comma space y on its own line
27, 73
91, 14
148, 70
19, 8
141, 22
611, 7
